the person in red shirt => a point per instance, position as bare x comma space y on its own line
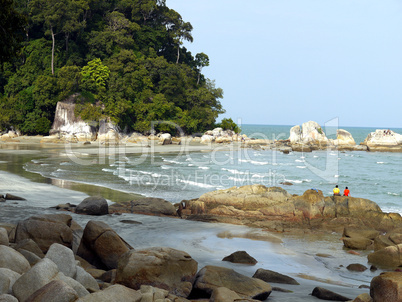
346, 192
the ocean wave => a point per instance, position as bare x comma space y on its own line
299, 160
260, 175
172, 161
381, 162
164, 167
234, 171
336, 176
237, 179
254, 162
295, 181
65, 163
301, 167
203, 168
393, 194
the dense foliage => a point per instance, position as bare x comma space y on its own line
124, 59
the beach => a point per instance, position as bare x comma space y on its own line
312, 259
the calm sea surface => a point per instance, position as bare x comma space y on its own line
372, 175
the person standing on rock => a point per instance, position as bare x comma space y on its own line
346, 192
336, 191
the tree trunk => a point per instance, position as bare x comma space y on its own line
53, 42
178, 53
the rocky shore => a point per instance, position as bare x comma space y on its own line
52, 256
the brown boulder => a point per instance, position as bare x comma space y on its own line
363, 298
274, 277
210, 278
356, 267
365, 233
325, 294
54, 291
93, 205
390, 256
101, 245
357, 243
386, 287
46, 230
381, 242
240, 257
165, 268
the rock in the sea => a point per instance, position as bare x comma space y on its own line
54, 291
165, 139
310, 133
94, 205
11, 259
240, 257
210, 278
383, 140
274, 277
39, 275
46, 230
344, 138
325, 294
13, 197
101, 245
356, 267
154, 206
363, 298
390, 256
165, 268
366, 233
115, 292
387, 287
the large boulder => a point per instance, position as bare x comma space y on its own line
39, 275
94, 205
11, 259
154, 206
310, 134
165, 139
357, 243
86, 280
240, 257
210, 278
63, 257
30, 246
344, 139
46, 230
7, 280
383, 140
325, 294
101, 245
386, 287
390, 256
165, 268
54, 291
274, 277
4, 240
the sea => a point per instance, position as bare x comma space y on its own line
50, 176
187, 175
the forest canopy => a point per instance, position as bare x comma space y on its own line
124, 59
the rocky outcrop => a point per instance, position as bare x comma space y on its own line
220, 136
325, 294
240, 257
66, 124
384, 140
274, 277
276, 209
344, 140
387, 287
94, 205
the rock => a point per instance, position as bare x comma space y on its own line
13, 197
357, 243
383, 140
31, 246
356, 267
165, 139
101, 246
110, 137
165, 268
363, 298
63, 257
223, 294
395, 238
344, 138
2, 199
46, 230
274, 277
154, 206
150, 293
207, 139
4, 237
295, 135
240, 257
310, 133
210, 278
387, 257
13, 260
8, 298
31, 257
7, 280
39, 275
86, 280
386, 287
365, 233
115, 292
325, 294
74, 284
381, 242
54, 291
94, 205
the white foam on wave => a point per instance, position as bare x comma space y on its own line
393, 194
299, 161
381, 162
295, 181
65, 163
301, 167
194, 183
237, 179
203, 168
234, 171
254, 162
164, 167
336, 176
172, 161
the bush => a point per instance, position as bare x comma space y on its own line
229, 124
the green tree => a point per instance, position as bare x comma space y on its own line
12, 31
95, 76
202, 60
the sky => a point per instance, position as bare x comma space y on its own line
286, 62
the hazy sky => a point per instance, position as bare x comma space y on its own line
286, 62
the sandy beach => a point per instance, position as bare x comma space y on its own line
312, 259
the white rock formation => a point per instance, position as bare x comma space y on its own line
383, 138
310, 133
343, 138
